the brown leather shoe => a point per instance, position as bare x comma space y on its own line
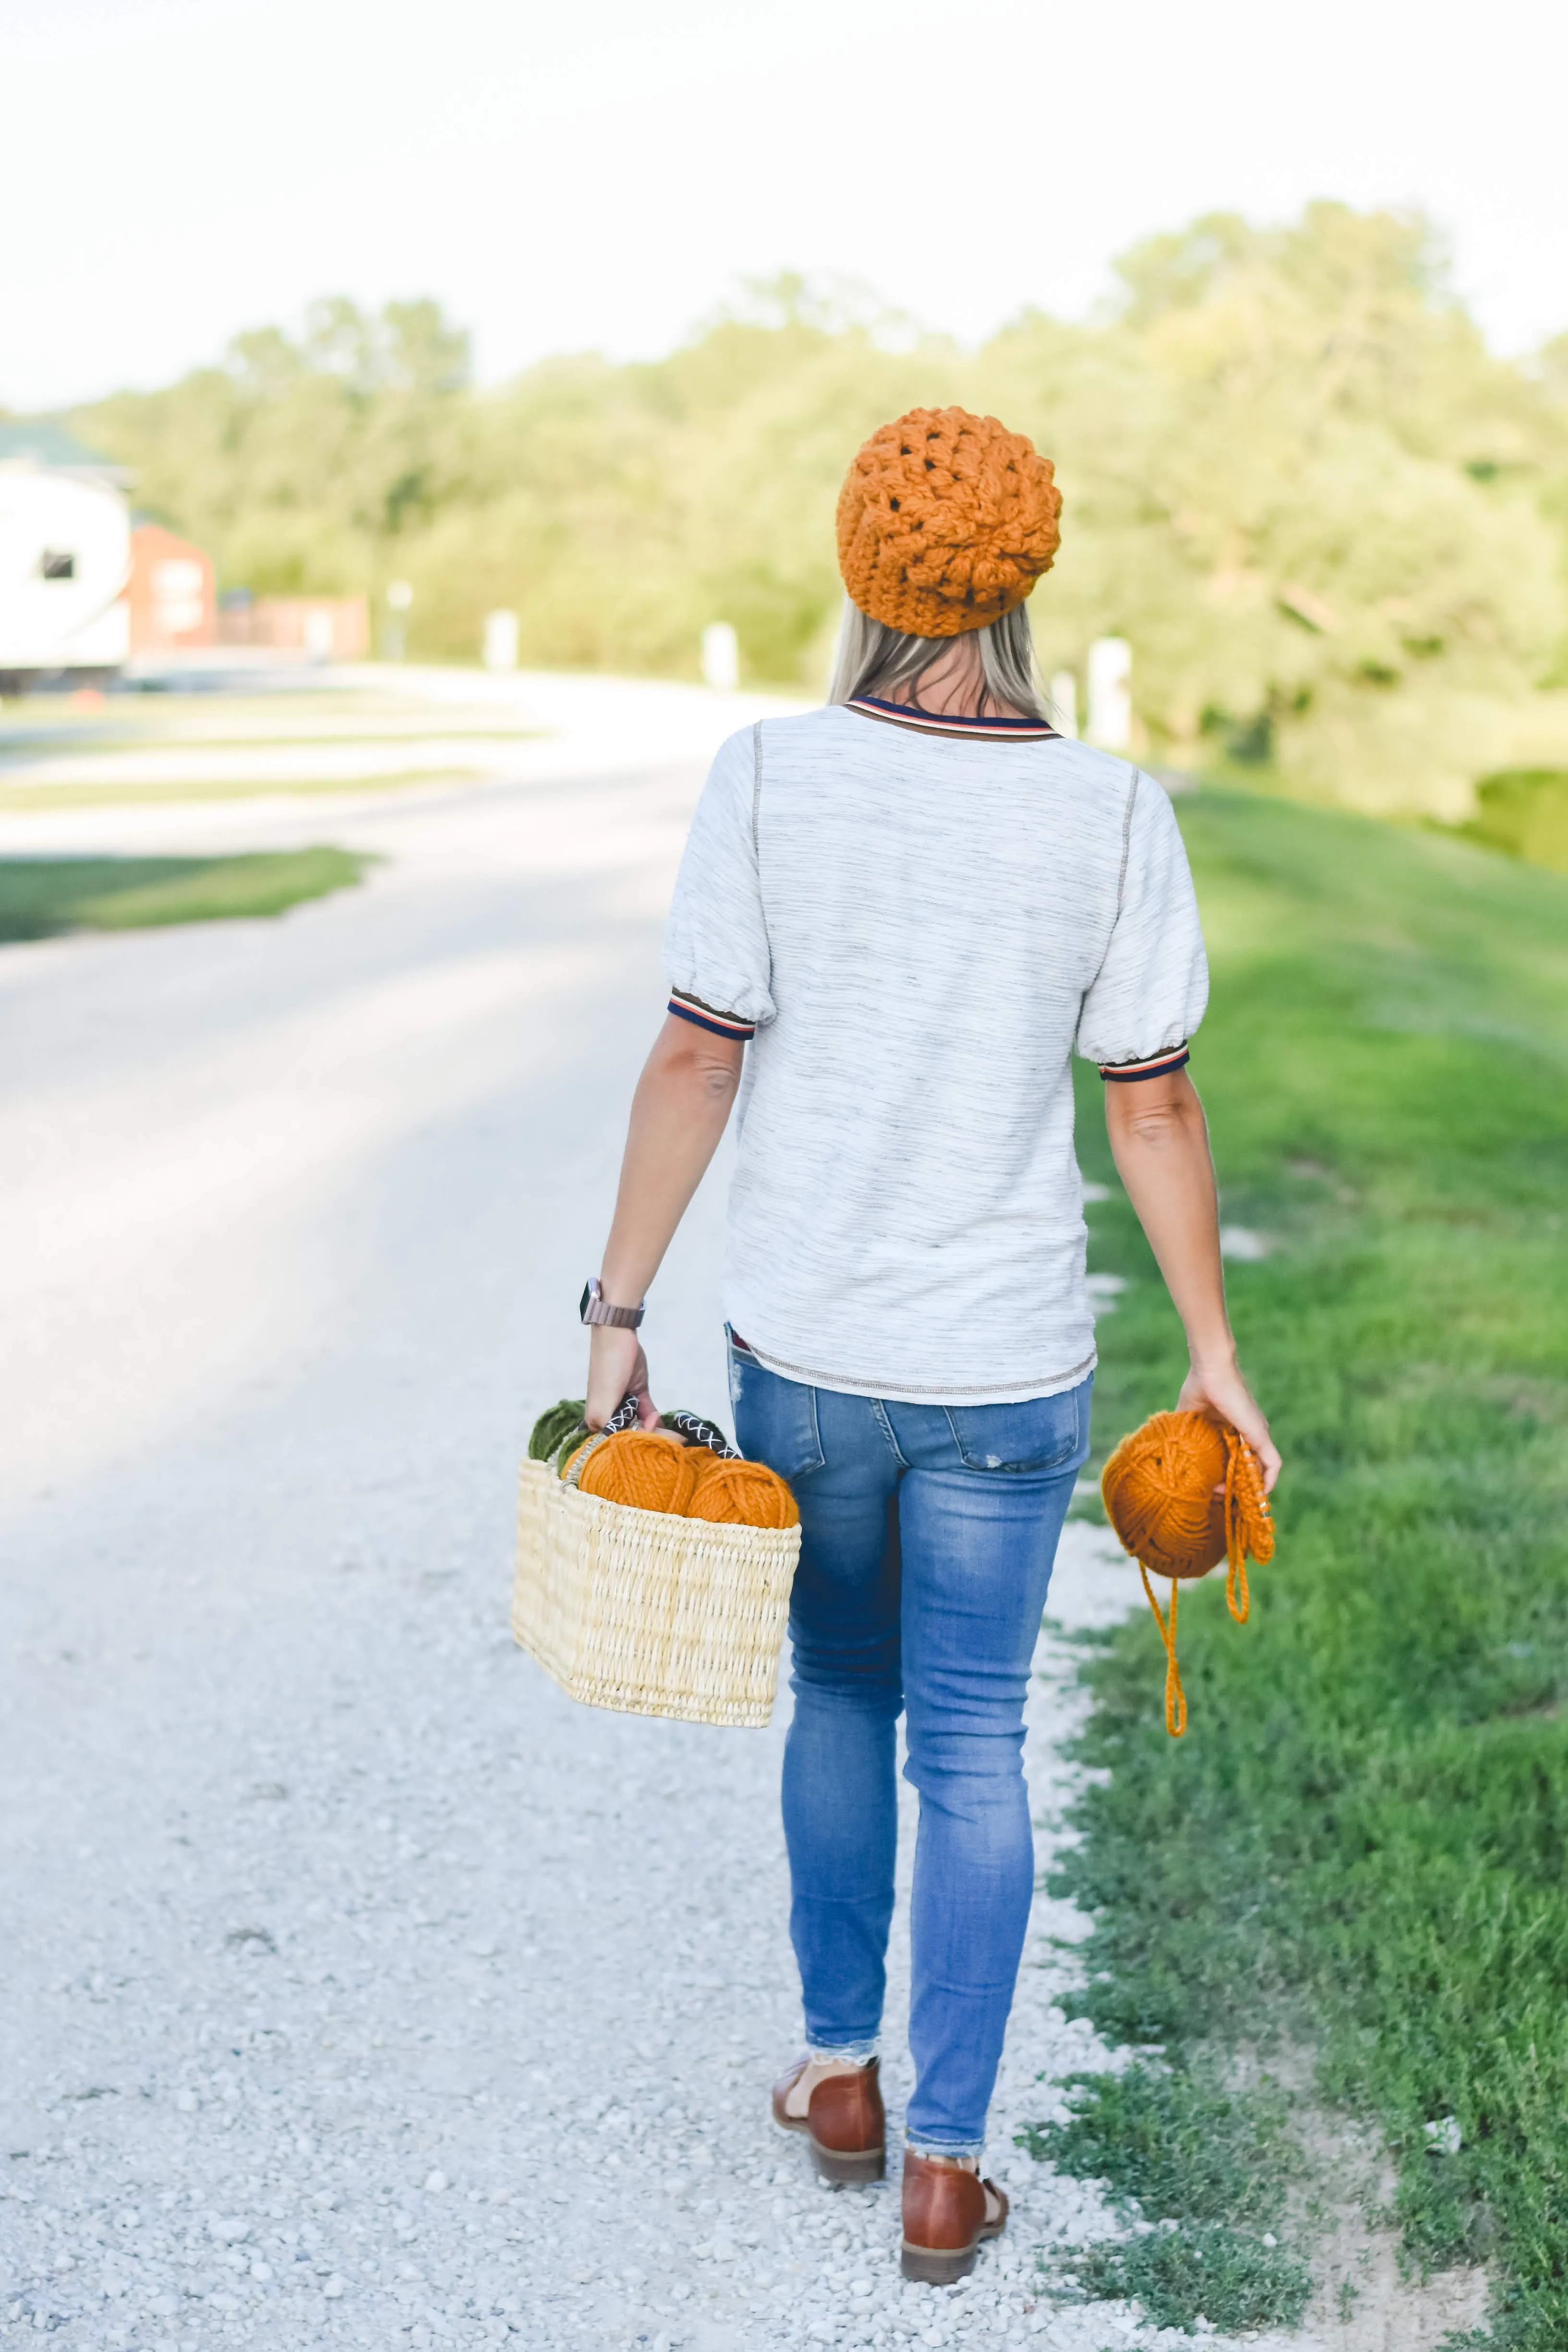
841, 2115
948, 2210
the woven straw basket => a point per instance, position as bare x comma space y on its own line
650, 1613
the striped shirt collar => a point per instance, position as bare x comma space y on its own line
952, 722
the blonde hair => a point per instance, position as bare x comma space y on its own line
874, 659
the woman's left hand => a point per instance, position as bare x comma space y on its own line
1220, 1393
617, 1368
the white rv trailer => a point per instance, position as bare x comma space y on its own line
65, 559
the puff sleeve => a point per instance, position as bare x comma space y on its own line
1149, 994
716, 953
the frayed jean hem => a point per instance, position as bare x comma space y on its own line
945, 2151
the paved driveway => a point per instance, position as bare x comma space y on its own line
358, 1988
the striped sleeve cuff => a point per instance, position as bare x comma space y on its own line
704, 1016
1156, 1066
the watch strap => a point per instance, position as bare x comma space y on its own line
595, 1309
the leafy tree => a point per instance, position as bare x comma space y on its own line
1334, 525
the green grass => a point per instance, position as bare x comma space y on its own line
289, 788
41, 896
1213, 2273
43, 728
1171, 2144
1363, 1838
99, 743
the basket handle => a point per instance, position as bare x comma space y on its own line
690, 1427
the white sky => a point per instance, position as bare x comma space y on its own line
599, 174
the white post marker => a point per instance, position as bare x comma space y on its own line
399, 596
1110, 694
501, 640
1063, 699
721, 658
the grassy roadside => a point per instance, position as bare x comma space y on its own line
1362, 1839
420, 744
41, 897
27, 798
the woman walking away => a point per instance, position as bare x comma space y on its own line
896, 919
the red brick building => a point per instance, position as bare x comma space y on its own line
171, 591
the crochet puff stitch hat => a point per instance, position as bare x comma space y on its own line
945, 522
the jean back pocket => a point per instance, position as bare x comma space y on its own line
776, 1419
1048, 1432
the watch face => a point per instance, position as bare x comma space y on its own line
583, 1303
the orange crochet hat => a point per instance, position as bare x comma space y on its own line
945, 522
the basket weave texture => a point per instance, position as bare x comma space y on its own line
649, 1614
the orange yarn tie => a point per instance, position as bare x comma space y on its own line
743, 1495
1176, 1696
1160, 1495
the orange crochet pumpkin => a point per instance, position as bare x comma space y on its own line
652, 1473
1160, 1488
743, 1495
657, 1473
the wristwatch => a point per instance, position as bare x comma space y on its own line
593, 1309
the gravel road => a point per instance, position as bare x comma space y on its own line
357, 1988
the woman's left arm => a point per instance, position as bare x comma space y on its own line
1159, 1142
679, 1111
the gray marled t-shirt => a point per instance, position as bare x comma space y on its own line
916, 926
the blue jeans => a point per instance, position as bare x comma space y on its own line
928, 1533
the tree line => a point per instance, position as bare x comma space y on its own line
1332, 524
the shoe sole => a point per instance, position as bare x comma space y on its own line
845, 2169
940, 2265
852, 2168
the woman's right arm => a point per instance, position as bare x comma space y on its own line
679, 1111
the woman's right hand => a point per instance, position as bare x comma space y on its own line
617, 1368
